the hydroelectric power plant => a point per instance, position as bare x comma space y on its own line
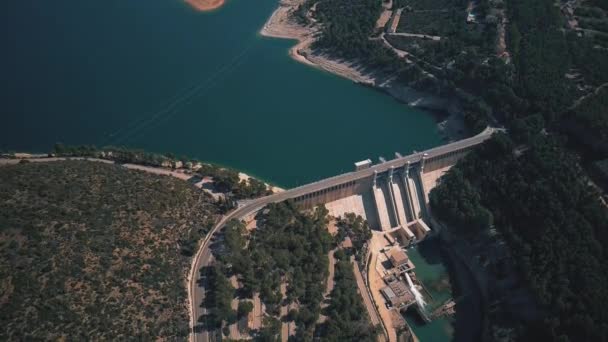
393, 197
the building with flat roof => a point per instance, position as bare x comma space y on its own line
364, 164
398, 257
396, 292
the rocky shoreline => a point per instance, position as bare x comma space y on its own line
281, 24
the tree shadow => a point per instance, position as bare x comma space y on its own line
371, 213
468, 318
202, 276
430, 250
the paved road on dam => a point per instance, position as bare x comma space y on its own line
204, 256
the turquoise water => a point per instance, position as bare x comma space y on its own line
441, 285
160, 76
432, 272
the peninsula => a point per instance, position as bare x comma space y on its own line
205, 5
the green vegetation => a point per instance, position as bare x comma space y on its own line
436, 23
346, 319
218, 299
244, 308
225, 180
553, 222
287, 247
355, 227
270, 330
457, 66
290, 247
588, 123
592, 12
347, 26
603, 4
543, 56
92, 251
502, 71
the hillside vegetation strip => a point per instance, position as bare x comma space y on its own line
538, 202
95, 251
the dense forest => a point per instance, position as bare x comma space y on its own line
218, 299
94, 251
347, 321
517, 65
552, 67
287, 247
554, 223
347, 26
356, 228
588, 124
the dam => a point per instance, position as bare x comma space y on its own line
392, 196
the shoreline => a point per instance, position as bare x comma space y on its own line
281, 25
182, 172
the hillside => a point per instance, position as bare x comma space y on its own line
539, 204
95, 251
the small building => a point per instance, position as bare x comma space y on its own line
362, 165
388, 294
396, 292
398, 257
420, 229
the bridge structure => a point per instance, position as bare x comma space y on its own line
398, 193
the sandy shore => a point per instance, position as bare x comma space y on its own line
275, 189
282, 25
205, 5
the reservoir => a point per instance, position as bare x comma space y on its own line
160, 76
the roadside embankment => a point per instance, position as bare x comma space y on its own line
177, 169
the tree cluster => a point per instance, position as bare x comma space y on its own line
347, 321
355, 227
287, 247
91, 251
218, 299
347, 27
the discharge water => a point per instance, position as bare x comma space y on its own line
416, 293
